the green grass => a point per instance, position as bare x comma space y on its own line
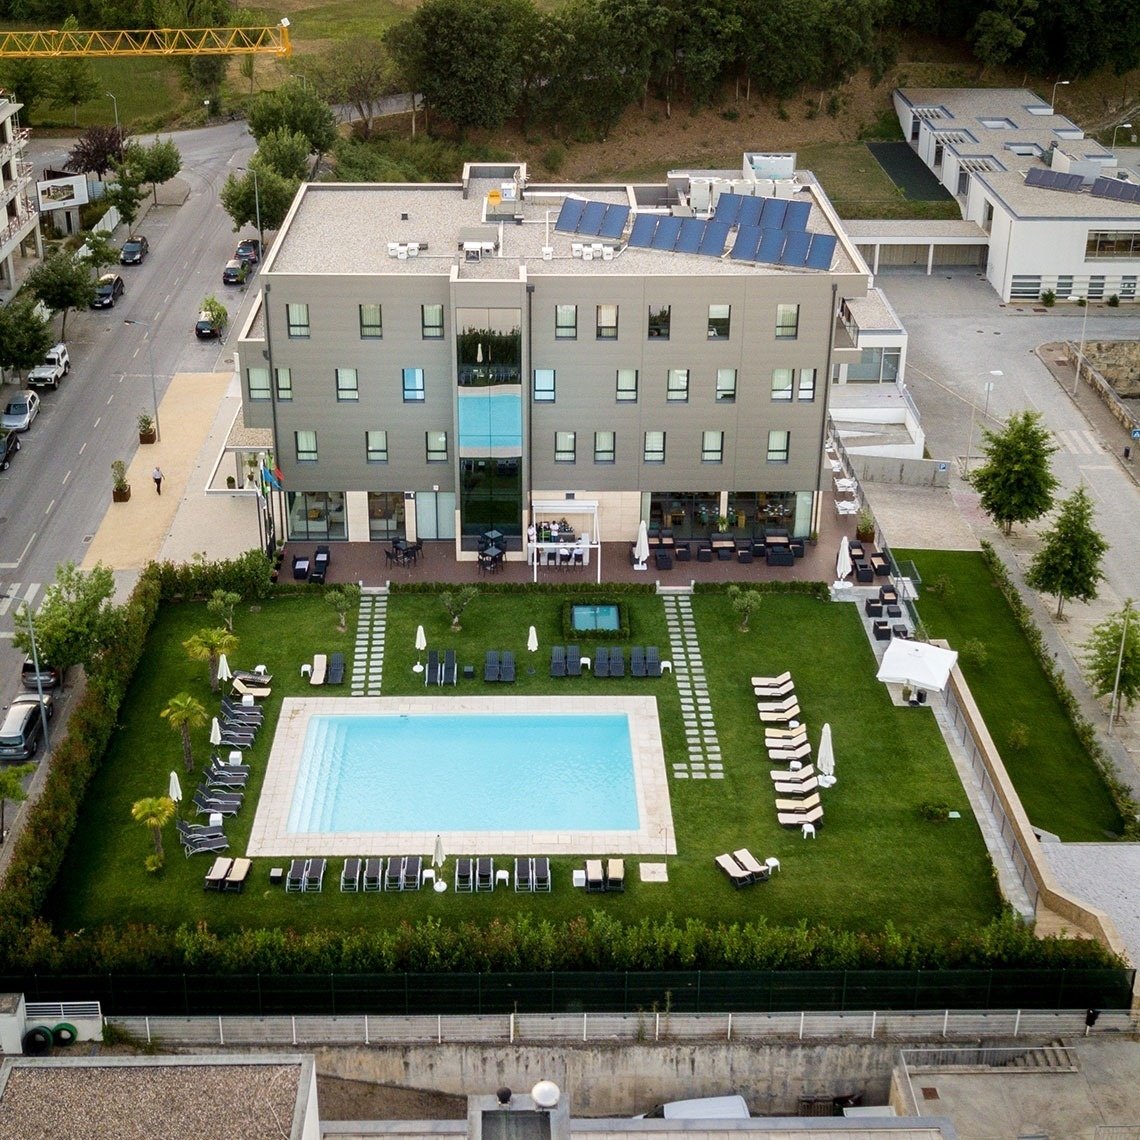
1059, 786
875, 860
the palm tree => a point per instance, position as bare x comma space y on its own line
155, 812
208, 645
185, 712
12, 788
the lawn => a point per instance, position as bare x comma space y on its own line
1059, 786
875, 860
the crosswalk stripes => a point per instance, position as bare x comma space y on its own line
12, 599
1079, 441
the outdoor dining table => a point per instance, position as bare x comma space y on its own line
492, 536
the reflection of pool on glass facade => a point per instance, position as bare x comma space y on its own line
587, 618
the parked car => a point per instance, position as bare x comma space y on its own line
48, 677
235, 272
20, 411
23, 728
208, 328
56, 365
9, 445
248, 250
108, 290
134, 250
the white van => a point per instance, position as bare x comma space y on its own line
703, 1108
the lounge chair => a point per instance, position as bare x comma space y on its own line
736, 873
321, 558
617, 662
769, 682
205, 844
242, 742
251, 677
801, 776
759, 871
217, 873
431, 673
373, 874
255, 691
541, 873
190, 831
780, 716
209, 804
239, 872
350, 875
336, 669
507, 668
776, 705
602, 661
637, 662
615, 874
464, 875
595, 875
450, 674
295, 876
801, 751
797, 788
523, 877
798, 818
573, 661
558, 661
492, 670
806, 804
413, 865
249, 716
320, 668
315, 875
773, 692
394, 875
485, 873
773, 733
219, 778
652, 661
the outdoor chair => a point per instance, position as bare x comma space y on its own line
615, 874
450, 674
239, 872
799, 818
336, 669
210, 804
652, 661
558, 661
573, 661
314, 875
321, 560
773, 735
217, 873
507, 668
413, 865
350, 875
863, 571
595, 875
787, 753
759, 871
601, 664
485, 873
682, 552
855, 549
205, 844
882, 631
704, 553
637, 662
736, 873
394, 874
663, 560
617, 662
464, 875
774, 692
431, 673
541, 876
523, 879
188, 832
805, 804
873, 607
373, 874
233, 710
255, 691
295, 877
781, 704
258, 676
300, 567
779, 715
491, 667
771, 682
790, 776
320, 668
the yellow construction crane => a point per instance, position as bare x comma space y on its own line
148, 41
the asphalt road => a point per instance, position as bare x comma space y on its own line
57, 489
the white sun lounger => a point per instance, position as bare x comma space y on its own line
807, 772
320, 666
779, 716
804, 805
769, 682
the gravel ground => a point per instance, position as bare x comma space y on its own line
342, 1099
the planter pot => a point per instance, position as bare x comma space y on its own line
148, 436
120, 495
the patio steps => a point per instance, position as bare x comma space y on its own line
704, 756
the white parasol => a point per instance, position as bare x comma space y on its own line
215, 732
916, 663
825, 758
224, 670
843, 566
174, 791
438, 858
532, 640
421, 639
641, 547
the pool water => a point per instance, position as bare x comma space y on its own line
594, 617
465, 772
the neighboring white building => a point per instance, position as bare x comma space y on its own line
19, 218
1059, 212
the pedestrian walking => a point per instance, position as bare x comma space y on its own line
156, 475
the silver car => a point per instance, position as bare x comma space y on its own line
20, 411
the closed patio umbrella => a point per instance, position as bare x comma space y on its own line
215, 732
843, 566
825, 758
174, 791
224, 670
641, 547
532, 640
438, 857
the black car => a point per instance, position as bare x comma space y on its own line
249, 251
22, 728
207, 328
235, 272
134, 250
9, 445
108, 290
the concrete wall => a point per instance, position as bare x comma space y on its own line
905, 472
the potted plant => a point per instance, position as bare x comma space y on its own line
120, 488
722, 524
251, 466
865, 526
147, 432
231, 483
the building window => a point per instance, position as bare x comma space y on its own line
1113, 243
436, 446
712, 447
1025, 287
787, 322
605, 446
806, 389
1096, 287
284, 384
306, 445
875, 366
347, 384
607, 322
659, 322
719, 321
654, 447
1128, 287
544, 385
565, 322
781, 383
297, 317
778, 443
371, 322
726, 385
627, 385
431, 322
413, 384
376, 446
677, 386
565, 445
258, 380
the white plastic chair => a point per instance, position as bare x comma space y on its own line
809, 830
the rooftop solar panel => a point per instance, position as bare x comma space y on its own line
728, 208
795, 249
1035, 176
1131, 193
822, 248
1107, 188
1117, 190
692, 230
744, 248
797, 216
591, 220
716, 234
771, 246
1076, 182
750, 209
641, 237
773, 215
570, 215
614, 221
667, 231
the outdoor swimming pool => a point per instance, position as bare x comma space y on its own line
462, 772
594, 617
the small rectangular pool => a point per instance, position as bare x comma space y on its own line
588, 618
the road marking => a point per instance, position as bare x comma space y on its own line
112, 395
95, 425
84, 447
136, 352
47, 511
1079, 441
65, 479
13, 565
7, 635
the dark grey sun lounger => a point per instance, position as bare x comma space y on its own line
507, 668
394, 876
653, 661
617, 662
558, 661
295, 879
573, 661
602, 661
350, 876
373, 874
336, 670
411, 879
314, 875
464, 875
637, 662
485, 873
541, 875
431, 673
450, 669
491, 669
524, 880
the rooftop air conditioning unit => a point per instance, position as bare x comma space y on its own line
488, 248
413, 249
393, 248
576, 248
472, 251
607, 253
548, 253
587, 253
402, 253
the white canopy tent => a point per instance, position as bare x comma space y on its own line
582, 514
917, 663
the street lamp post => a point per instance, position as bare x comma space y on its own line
116, 102
26, 610
973, 412
256, 207
153, 385
1126, 126
1081, 353
1112, 708
1053, 97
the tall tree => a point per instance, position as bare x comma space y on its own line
184, 712
155, 812
12, 788
285, 152
29, 80
24, 335
96, 151
1114, 649
294, 107
272, 195
1069, 561
208, 645
1000, 31
73, 80
62, 282
156, 163
358, 72
125, 193
1015, 482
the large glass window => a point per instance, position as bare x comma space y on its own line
376, 446
689, 514
607, 328
719, 317
726, 385
627, 385
677, 386
565, 322
347, 384
1113, 244
806, 389
565, 446
544, 385
654, 447
284, 384
605, 446
306, 445
779, 443
787, 322
371, 322
875, 366
488, 347
431, 322
258, 380
712, 447
385, 515
413, 384
490, 496
781, 383
659, 318
315, 515
436, 446
297, 321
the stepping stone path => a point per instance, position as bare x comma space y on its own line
705, 761
368, 654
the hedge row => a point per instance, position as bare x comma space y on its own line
560, 588
819, 590
1086, 732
